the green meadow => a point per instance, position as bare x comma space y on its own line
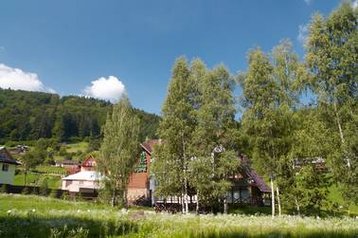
34, 216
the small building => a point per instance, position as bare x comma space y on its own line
141, 184
89, 164
7, 167
85, 179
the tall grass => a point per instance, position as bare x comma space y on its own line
32, 216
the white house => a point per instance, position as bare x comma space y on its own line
87, 180
7, 167
84, 181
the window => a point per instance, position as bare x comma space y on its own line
5, 167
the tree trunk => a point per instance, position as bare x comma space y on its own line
297, 207
338, 120
25, 177
197, 203
113, 202
185, 179
225, 206
125, 201
338, 123
272, 198
186, 195
182, 203
278, 201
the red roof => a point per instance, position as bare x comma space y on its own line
90, 161
149, 145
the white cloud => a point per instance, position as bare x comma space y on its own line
15, 78
355, 4
308, 2
110, 88
302, 33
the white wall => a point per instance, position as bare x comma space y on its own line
75, 185
7, 177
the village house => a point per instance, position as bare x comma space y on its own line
85, 181
7, 167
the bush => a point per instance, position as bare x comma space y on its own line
3, 188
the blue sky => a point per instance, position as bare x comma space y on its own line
65, 45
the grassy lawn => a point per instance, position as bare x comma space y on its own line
46, 217
73, 148
335, 196
34, 179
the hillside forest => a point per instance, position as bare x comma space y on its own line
29, 116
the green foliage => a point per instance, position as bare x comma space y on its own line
119, 150
331, 58
175, 130
28, 116
198, 118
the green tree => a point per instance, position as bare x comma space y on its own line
260, 96
175, 129
31, 159
213, 145
119, 150
332, 58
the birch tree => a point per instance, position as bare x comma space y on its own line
332, 56
119, 151
175, 130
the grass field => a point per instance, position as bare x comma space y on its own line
75, 147
35, 179
32, 216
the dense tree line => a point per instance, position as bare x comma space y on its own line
28, 116
284, 137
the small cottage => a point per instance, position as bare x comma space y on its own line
86, 180
7, 167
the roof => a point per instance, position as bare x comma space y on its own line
85, 176
90, 161
5, 157
251, 173
149, 145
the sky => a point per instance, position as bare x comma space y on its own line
106, 48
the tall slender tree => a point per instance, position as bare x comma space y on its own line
332, 56
119, 150
175, 130
214, 158
259, 120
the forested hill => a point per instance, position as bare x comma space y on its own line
26, 116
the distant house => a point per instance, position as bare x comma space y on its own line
86, 180
7, 166
66, 163
141, 185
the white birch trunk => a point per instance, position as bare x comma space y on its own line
278, 201
272, 198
